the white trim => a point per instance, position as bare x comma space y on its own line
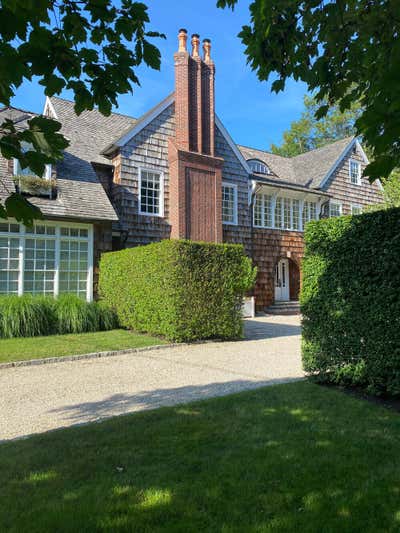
231, 143
261, 163
161, 199
48, 106
359, 172
57, 252
162, 106
235, 202
21, 257
335, 202
361, 150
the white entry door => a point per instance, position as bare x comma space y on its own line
282, 280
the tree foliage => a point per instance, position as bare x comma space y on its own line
89, 47
345, 50
308, 133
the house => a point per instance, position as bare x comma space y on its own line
173, 173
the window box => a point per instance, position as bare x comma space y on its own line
34, 186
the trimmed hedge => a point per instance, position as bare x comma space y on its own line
350, 301
29, 316
179, 289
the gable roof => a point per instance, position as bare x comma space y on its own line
80, 195
308, 170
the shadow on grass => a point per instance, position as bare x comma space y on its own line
117, 404
290, 458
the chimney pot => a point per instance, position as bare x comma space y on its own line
207, 50
182, 39
195, 45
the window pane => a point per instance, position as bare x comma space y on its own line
286, 213
335, 209
295, 214
257, 210
278, 213
355, 171
150, 192
39, 267
228, 204
9, 265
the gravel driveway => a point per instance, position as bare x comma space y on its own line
39, 398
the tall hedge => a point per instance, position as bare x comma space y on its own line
350, 301
180, 289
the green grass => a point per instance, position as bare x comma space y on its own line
23, 348
296, 457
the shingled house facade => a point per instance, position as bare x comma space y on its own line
173, 173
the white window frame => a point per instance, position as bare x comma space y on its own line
356, 206
335, 202
22, 235
161, 199
277, 216
358, 163
232, 186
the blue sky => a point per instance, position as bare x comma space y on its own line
253, 115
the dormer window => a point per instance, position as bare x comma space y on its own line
19, 171
355, 172
258, 166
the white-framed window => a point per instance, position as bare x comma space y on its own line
262, 213
258, 166
355, 171
151, 192
309, 212
356, 209
48, 258
229, 203
335, 209
281, 212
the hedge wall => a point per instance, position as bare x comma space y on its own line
179, 289
350, 301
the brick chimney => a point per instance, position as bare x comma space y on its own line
195, 172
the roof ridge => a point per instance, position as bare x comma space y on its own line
17, 109
349, 138
94, 109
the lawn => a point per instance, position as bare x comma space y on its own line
24, 348
295, 457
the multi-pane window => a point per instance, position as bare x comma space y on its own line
278, 213
295, 214
19, 171
335, 209
309, 212
263, 210
46, 259
9, 263
151, 191
258, 166
356, 209
355, 171
229, 203
287, 203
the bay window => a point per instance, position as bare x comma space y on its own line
309, 212
47, 259
263, 210
282, 212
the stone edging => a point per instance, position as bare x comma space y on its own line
94, 355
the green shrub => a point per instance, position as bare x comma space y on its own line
180, 289
28, 316
350, 301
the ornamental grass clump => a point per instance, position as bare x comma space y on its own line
30, 316
26, 316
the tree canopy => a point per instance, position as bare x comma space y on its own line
308, 133
346, 51
89, 47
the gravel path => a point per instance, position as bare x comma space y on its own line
40, 398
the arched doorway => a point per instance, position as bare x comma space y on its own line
287, 280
